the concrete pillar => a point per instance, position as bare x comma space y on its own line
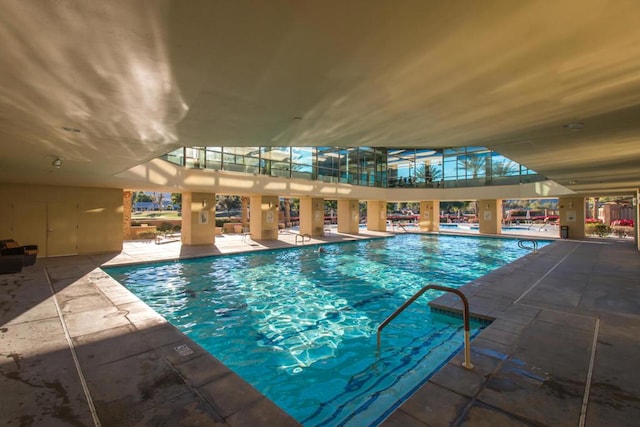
198, 218
636, 217
376, 215
490, 216
264, 217
245, 211
572, 214
127, 204
312, 216
348, 216
429, 216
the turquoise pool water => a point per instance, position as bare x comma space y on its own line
300, 325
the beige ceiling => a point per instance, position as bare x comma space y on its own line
138, 79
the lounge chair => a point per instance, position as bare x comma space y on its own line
11, 263
10, 247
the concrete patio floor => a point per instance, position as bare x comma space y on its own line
76, 348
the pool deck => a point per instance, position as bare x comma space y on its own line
76, 348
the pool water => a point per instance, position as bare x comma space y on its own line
300, 325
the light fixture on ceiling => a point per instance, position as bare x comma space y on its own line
574, 125
57, 162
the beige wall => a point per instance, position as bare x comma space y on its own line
348, 216
312, 216
637, 218
62, 220
490, 216
429, 215
127, 204
264, 217
377, 215
572, 214
198, 218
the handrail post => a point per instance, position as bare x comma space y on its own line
465, 317
534, 245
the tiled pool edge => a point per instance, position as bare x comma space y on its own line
227, 398
456, 313
444, 309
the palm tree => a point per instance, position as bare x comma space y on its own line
245, 210
158, 198
287, 212
502, 168
229, 202
176, 199
140, 196
428, 173
473, 164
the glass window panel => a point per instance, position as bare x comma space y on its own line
367, 161
501, 166
240, 159
278, 154
450, 165
302, 161
175, 156
401, 167
428, 168
213, 158
194, 157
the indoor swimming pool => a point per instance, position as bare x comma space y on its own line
300, 324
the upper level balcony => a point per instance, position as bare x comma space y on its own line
364, 166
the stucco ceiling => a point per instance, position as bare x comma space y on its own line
107, 85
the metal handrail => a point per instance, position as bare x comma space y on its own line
534, 244
302, 236
465, 316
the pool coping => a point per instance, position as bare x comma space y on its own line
222, 372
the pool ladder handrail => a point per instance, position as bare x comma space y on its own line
465, 316
302, 237
533, 247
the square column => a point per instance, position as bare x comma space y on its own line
572, 214
376, 215
637, 218
263, 222
430, 215
198, 218
348, 216
312, 216
490, 216
127, 203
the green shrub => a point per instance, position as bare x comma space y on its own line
165, 227
148, 235
598, 229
